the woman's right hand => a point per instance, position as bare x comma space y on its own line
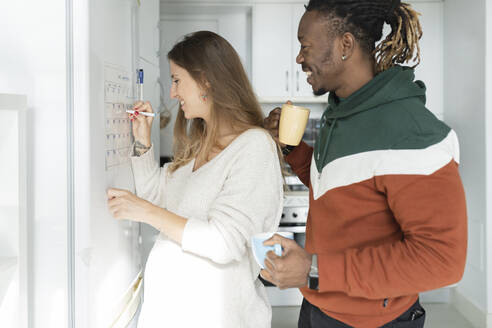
142, 124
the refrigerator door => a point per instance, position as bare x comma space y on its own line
107, 251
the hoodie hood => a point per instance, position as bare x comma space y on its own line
396, 83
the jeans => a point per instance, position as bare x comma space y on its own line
313, 317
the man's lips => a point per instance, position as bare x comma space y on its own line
307, 70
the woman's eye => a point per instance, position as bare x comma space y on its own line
175, 81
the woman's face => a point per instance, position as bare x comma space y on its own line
194, 101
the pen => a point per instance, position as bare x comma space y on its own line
140, 84
131, 111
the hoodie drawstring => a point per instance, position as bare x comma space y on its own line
328, 139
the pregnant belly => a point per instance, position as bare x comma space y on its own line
177, 278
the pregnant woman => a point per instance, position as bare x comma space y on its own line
223, 186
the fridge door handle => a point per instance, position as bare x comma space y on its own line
287, 81
297, 79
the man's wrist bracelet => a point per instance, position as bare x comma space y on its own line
287, 149
313, 276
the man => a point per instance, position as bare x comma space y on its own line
387, 215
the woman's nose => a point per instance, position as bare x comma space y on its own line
173, 92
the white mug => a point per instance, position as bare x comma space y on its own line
260, 250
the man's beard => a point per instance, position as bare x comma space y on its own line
328, 60
319, 92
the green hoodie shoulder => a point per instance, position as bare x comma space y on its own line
387, 113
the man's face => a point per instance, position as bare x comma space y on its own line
319, 56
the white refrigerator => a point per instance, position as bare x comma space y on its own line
75, 62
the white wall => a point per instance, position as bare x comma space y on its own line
488, 152
465, 111
33, 58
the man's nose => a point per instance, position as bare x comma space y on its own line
299, 58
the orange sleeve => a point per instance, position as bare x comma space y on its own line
431, 212
299, 160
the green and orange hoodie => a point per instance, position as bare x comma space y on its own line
387, 214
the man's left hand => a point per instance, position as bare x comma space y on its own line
289, 270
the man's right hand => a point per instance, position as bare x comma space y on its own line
272, 121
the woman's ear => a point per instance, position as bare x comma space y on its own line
205, 90
203, 81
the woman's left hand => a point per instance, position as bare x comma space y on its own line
125, 205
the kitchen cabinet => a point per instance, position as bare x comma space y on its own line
148, 31
276, 75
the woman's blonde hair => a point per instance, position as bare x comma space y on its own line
215, 66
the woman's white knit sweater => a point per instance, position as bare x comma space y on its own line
211, 280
